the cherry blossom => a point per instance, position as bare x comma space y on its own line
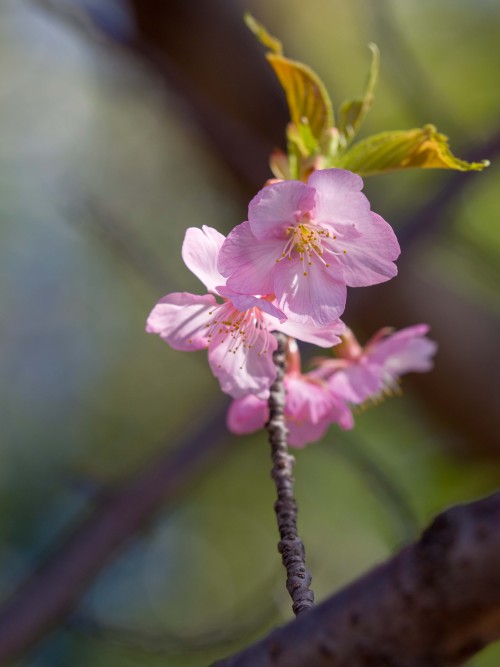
310, 408
306, 242
365, 373
236, 329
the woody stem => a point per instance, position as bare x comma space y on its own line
290, 545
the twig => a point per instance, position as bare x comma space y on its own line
436, 603
290, 546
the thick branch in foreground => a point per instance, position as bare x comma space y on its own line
298, 577
434, 604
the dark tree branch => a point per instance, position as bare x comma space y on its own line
290, 546
53, 590
434, 604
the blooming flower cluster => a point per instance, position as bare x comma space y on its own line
286, 269
322, 396
305, 243
236, 330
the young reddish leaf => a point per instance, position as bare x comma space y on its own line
420, 148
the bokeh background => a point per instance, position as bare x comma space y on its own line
123, 123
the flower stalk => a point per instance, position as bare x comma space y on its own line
290, 545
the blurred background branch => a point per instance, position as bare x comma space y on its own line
47, 597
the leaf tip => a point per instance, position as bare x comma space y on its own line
374, 49
264, 37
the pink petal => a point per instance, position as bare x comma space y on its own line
241, 370
304, 433
180, 318
338, 197
246, 415
249, 263
320, 296
371, 249
200, 251
310, 408
393, 342
340, 413
309, 332
355, 383
305, 400
245, 302
404, 351
417, 358
278, 206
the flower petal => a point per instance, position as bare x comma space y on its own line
371, 249
278, 206
246, 415
180, 318
404, 351
320, 296
242, 370
248, 262
310, 408
309, 332
200, 251
304, 433
339, 199
244, 302
306, 400
355, 383
340, 413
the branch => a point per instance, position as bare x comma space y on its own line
52, 591
291, 548
436, 603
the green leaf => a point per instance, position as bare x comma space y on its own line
265, 38
420, 148
353, 112
310, 107
308, 101
302, 137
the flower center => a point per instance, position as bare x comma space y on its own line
307, 238
236, 328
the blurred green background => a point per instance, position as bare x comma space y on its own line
121, 124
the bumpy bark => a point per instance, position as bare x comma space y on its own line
434, 604
290, 546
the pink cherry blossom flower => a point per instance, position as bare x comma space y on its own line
305, 243
365, 373
236, 330
310, 408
